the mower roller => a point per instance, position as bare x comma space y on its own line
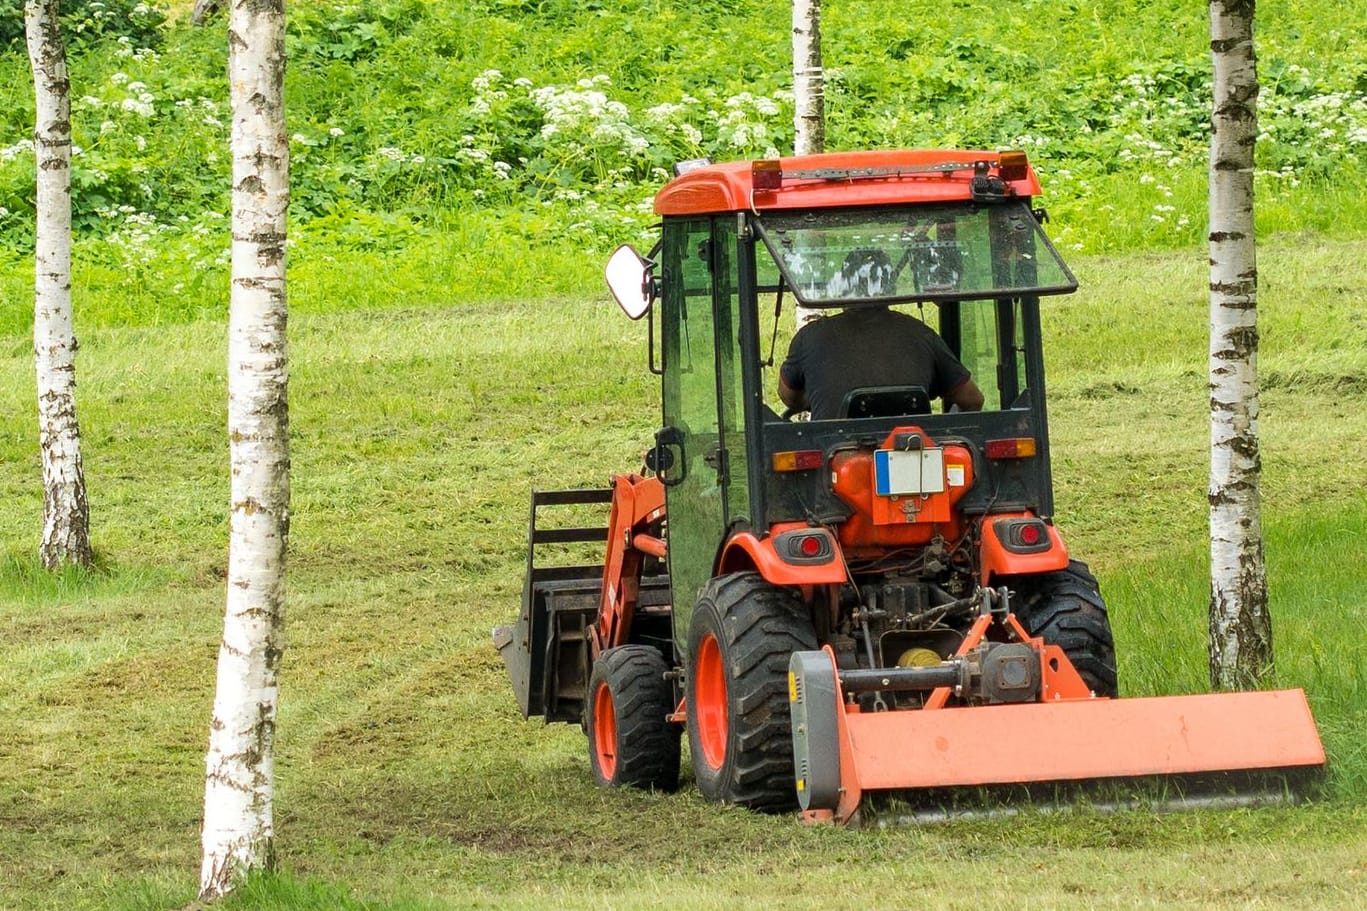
874, 602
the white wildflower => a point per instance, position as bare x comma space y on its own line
484, 80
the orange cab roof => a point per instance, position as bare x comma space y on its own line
835, 179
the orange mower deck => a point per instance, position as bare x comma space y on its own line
1069, 740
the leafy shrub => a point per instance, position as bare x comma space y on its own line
347, 31
567, 115
87, 22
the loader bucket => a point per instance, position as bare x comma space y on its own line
843, 753
546, 650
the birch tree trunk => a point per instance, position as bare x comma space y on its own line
809, 115
66, 514
239, 831
204, 10
1240, 624
809, 98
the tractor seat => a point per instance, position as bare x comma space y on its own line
884, 401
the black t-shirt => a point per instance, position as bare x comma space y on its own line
869, 346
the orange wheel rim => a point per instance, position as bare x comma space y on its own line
605, 731
709, 697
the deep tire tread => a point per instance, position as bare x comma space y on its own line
760, 626
647, 743
1066, 609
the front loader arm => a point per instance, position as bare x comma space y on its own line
638, 508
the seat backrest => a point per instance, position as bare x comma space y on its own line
884, 401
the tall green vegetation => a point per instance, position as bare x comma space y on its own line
553, 121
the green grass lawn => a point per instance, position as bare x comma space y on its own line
406, 778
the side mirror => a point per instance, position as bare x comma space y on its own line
629, 280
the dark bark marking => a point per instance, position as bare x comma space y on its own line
1241, 289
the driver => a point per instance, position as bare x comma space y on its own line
870, 346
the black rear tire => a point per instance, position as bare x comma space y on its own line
631, 743
739, 734
1066, 609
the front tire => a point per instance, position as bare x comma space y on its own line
1066, 609
739, 734
631, 742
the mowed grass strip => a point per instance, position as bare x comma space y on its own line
407, 778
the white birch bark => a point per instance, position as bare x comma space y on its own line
1240, 624
809, 116
66, 513
238, 833
809, 87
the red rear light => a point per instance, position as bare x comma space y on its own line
1023, 536
798, 460
766, 175
802, 546
1013, 448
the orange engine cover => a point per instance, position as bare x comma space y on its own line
901, 519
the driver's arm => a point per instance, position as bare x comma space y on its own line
796, 399
966, 395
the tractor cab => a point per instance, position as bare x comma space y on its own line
949, 238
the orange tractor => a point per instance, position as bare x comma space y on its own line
878, 601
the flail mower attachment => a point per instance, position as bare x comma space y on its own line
1030, 721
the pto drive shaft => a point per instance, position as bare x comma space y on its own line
992, 672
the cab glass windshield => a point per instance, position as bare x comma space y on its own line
834, 257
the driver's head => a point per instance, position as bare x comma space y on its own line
866, 272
